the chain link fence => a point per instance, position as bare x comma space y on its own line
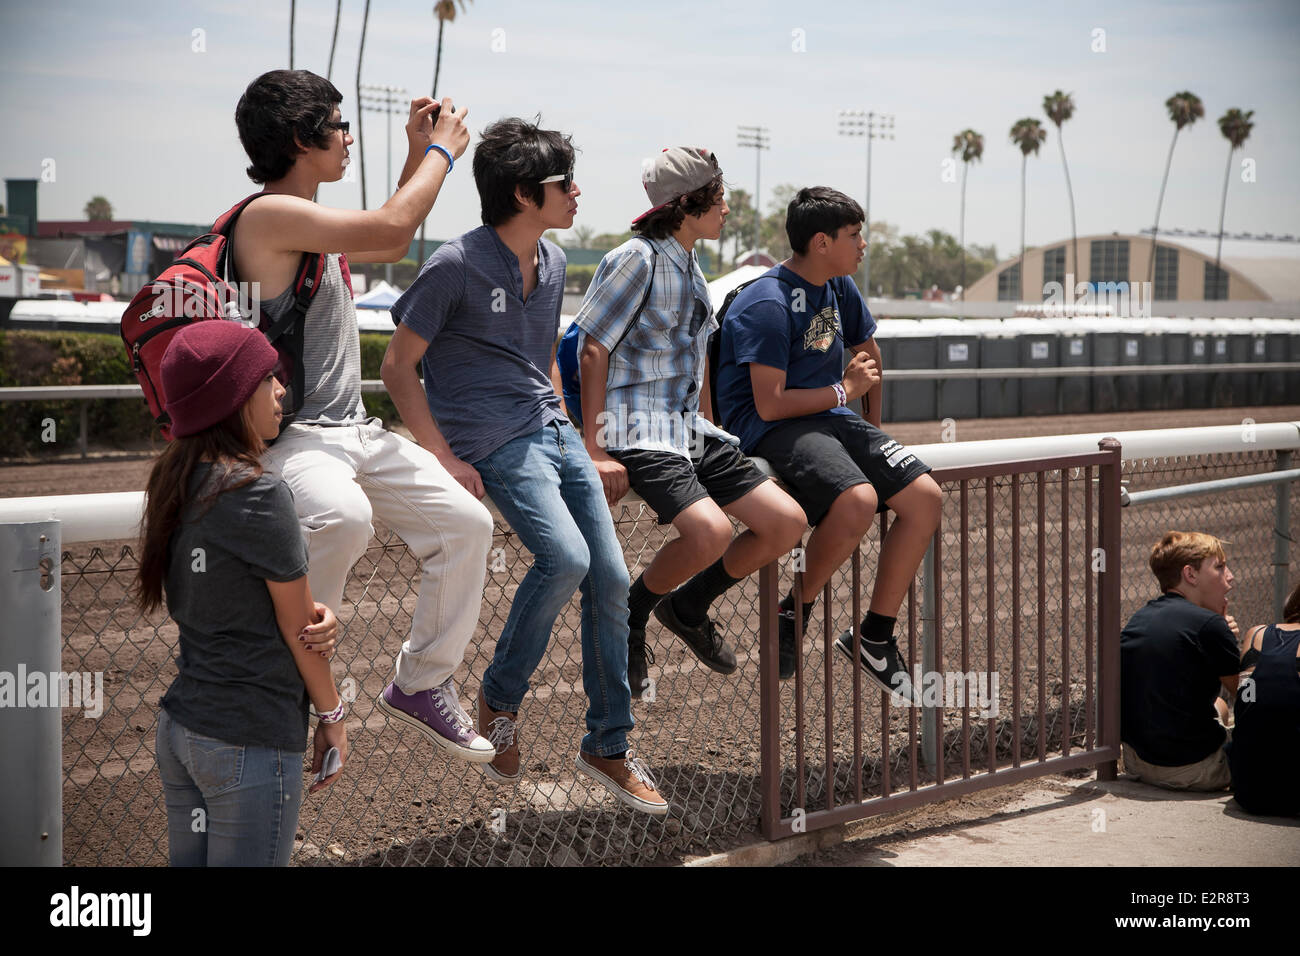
403, 802
1244, 518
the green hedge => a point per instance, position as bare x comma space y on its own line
67, 358
578, 278
93, 358
373, 346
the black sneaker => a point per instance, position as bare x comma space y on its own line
885, 667
703, 639
638, 657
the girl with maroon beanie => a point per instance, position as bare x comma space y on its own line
221, 540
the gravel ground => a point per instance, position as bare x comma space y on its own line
402, 803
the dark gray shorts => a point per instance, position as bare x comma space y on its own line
669, 483
820, 458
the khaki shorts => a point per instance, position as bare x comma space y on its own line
1212, 773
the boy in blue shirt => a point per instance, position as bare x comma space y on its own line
784, 389
482, 318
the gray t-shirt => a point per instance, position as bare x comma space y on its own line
238, 681
487, 368
331, 351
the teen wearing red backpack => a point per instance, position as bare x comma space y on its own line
342, 466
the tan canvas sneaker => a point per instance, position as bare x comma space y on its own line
627, 778
499, 727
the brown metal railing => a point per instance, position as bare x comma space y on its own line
939, 764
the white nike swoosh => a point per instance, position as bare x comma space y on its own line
877, 662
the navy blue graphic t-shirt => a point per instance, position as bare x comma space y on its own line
786, 323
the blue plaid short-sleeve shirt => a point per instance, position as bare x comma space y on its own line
656, 372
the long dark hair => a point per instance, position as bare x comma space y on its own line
233, 447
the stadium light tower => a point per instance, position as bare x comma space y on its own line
387, 100
872, 126
755, 138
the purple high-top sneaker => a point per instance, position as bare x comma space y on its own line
438, 715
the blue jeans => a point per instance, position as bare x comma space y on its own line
227, 805
546, 487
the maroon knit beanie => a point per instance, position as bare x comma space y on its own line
209, 370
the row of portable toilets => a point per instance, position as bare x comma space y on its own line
1072, 342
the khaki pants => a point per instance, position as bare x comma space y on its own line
342, 477
1212, 773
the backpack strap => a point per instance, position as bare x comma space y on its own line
305, 283
654, 259
225, 223
311, 268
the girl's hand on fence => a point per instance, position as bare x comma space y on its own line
321, 635
327, 736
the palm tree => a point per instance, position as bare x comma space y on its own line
445, 11
99, 209
582, 236
1235, 127
361, 140
1028, 134
1184, 108
1059, 107
970, 145
334, 40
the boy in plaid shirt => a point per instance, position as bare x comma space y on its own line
647, 420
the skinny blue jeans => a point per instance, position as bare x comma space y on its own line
547, 488
227, 805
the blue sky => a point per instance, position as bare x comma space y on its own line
116, 95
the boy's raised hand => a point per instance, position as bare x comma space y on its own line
419, 126
450, 131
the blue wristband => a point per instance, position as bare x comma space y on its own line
451, 164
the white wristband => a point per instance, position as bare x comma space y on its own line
333, 716
840, 396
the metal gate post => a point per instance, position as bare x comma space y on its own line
1108, 609
769, 705
1282, 539
31, 719
929, 620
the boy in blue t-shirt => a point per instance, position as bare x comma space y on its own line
783, 388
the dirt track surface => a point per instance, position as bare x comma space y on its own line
402, 803
128, 471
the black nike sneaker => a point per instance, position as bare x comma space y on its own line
882, 663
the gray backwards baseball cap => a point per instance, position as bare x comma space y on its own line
676, 171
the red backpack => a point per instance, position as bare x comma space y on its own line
201, 284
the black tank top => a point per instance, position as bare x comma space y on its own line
1265, 750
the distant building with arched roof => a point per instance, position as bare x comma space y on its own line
1183, 273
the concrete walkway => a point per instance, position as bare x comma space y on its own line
1090, 823
1052, 821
